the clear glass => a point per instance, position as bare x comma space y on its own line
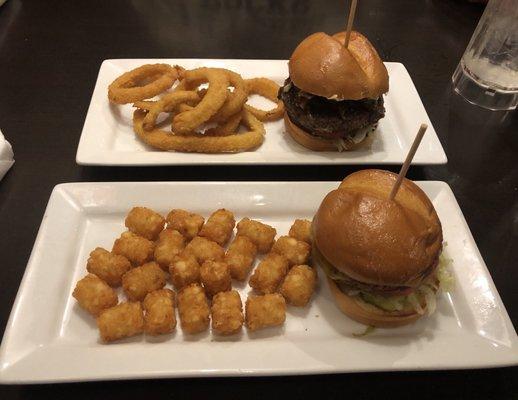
487, 74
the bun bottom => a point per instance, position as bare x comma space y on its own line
318, 144
367, 314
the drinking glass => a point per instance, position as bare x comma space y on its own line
487, 74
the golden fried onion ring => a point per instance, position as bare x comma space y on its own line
228, 127
142, 83
168, 103
269, 89
213, 100
235, 99
198, 143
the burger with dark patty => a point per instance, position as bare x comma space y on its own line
334, 95
381, 257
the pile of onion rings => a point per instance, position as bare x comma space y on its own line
207, 107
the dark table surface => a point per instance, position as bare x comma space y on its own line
50, 53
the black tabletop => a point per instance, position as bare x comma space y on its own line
50, 53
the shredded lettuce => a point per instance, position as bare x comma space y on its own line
444, 275
392, 303
368, 330
425, 293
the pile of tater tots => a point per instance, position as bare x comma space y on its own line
192, 255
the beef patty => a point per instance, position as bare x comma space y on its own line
326, 118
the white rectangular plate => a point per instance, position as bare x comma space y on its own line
49, 338
108, 137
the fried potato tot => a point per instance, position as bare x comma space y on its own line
159, 317
169, 244
260, 234
108, 266
193, 309
269, 273
215, 276
227, 313
219, 227
145, 222
296, 251
135, 248
265, 311
139, 281
188, 224
240, 257
184, 270
94, 295
121, 321
301, 230
204, 249
299, 285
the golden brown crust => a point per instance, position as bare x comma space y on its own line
363, 313
322, 66
375, 240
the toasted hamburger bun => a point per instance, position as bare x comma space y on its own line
375, 240
318, 143
322, 66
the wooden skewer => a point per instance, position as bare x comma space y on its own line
408, 161
350, 20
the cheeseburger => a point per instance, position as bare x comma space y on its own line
380, 256
334, 95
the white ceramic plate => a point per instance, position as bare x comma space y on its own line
108, 137
49, 338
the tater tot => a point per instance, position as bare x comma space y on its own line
94, 295
260, 234
296, 251
184, 270
169, 244
193, 309
301, 230
219, 227
159, 317
107, 266
240, 257
204, 249
135, 248
188, 224
269, 273
145, 222
215, 276
227, 313
299, 285
264, 311
139, 281
121, 321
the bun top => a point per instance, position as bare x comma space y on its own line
374, 240
322, 66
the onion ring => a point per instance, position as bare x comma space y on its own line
134, 85
228, 127
269, 89
168, 103
199, 143
235, 99
213, 100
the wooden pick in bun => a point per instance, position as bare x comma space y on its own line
322, 66
375, 250
346, 83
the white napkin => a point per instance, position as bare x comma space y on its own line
6, 156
